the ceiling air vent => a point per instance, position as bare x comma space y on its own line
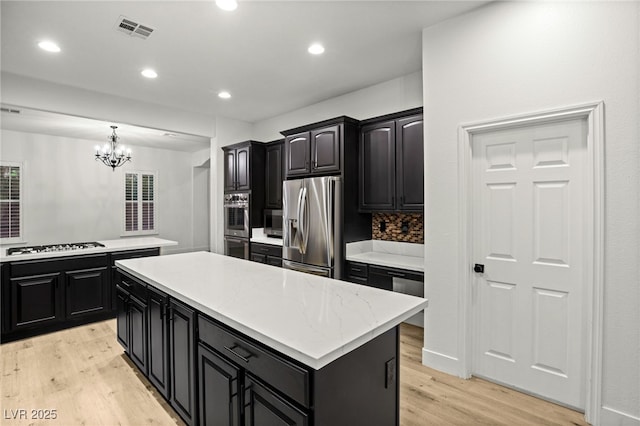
133, 28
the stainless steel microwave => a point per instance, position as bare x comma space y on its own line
273, 223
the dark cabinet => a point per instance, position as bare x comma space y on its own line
158, 339
273, 175
122, 317
265, 407
392, 163
35, 301
379, 276
182, 358
313, 152
410, 163
357, 273
266, 253
138, 332
87, 292
126, 254
219, 382
236, 169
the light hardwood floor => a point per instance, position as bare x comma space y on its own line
83, 374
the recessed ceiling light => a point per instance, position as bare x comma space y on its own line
316, 49
224, 95
149, 73
227, 5
49, 46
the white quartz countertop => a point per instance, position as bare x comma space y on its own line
312, 319
131, 243
258, 236
406, 256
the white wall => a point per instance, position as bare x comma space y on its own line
513, 58
68, 196
384, 98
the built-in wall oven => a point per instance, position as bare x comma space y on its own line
236, 215
236, 225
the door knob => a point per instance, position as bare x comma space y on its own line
478, 268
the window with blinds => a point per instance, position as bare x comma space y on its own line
139, 203
10, 202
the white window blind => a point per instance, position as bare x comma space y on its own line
10, 201
139, 203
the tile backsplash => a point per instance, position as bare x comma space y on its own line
405, 227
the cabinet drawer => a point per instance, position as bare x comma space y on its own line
133, 254
260, 258
397, 273
133, 286
266, 249
357, 280
46, 266
357, 269
273, 369
274, 261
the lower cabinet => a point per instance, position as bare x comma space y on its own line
138, 332
266, 253
182, 358
158, 339
219, 385
265, 407
379, 276
35, 301
87, 292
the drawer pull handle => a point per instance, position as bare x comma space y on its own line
356, 269
396, 274
232, 350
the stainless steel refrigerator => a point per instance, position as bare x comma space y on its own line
312, 225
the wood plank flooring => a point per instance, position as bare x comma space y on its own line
83, 375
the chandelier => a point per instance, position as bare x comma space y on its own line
112, 155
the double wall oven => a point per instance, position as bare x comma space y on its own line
236, 225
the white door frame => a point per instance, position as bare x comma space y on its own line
594, 114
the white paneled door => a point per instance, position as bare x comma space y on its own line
529, 234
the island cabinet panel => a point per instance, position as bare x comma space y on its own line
35, 301
265, 407
122, 317
126, 254
219, 400
138, 332
181, 344
158, 304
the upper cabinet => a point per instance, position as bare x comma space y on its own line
391, 155
315, 149
273, 175
243, 166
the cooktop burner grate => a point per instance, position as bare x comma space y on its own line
53, 248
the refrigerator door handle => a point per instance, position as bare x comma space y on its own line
299, 220
303, 216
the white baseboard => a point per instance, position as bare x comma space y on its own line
612, 417
441, 362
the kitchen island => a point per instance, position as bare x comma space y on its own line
257, 343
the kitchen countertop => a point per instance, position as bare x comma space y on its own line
406, 256
109, 246
258, 236
312, 319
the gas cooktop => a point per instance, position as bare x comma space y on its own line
53, 248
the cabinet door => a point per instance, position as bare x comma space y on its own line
218, 390
35, 300
325, 150
257, 257
264, 407
158, 341
379, 278
229, 169
297, 154
122, 317
87, 292
138, 333
242, 169
182, 372
273, 178
274, 261
377, 167
410, 163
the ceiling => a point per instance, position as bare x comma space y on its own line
258, 52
